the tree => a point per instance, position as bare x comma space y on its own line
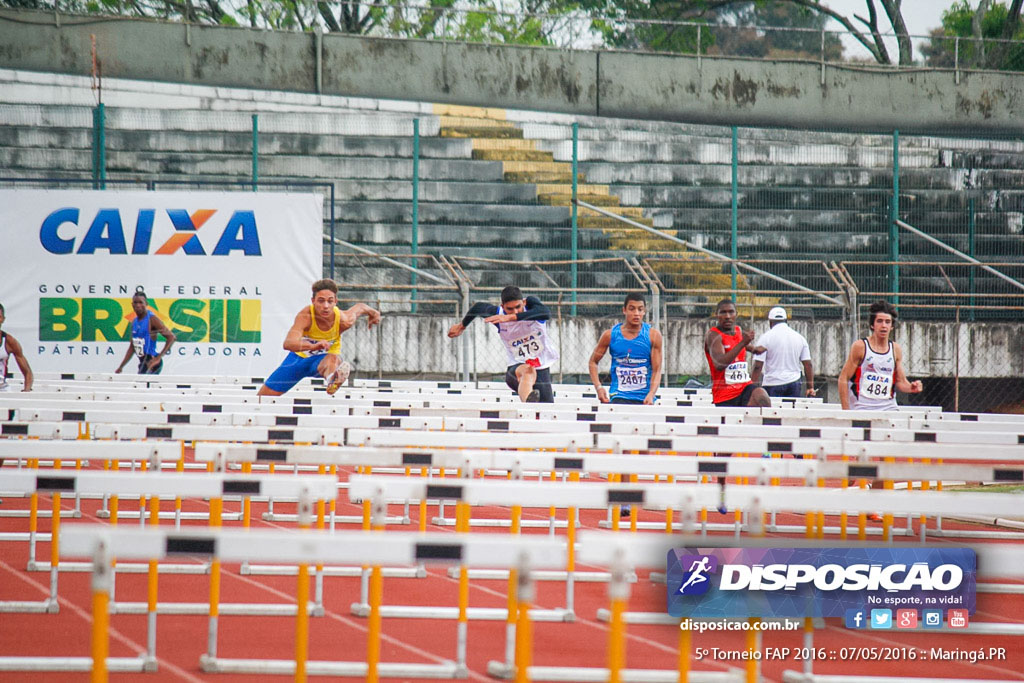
991, 37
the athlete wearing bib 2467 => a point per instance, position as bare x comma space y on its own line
522, 326
314, 342
145, 327
725, 347
636, 357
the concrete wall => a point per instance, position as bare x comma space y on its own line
408, 344
642, 86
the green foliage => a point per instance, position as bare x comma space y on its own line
987, 53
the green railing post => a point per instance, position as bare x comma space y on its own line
95, 149
415, 204
574, 249
894, 215
734, 219
255, 151
971, 217
99, 147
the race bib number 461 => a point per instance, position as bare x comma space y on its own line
736, 373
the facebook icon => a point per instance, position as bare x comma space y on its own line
855, 618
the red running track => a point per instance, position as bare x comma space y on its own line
340, 636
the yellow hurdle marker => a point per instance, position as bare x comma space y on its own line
862, 517
100, 643
526, 592
618, 595
753, 646
302, 594
685, 646
216, 509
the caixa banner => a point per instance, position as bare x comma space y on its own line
225, 271
817, 582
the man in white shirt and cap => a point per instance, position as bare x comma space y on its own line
781, 351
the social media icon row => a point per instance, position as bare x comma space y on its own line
905, 618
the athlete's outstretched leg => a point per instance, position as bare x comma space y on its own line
527, 376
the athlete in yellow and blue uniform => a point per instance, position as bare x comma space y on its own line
314, 342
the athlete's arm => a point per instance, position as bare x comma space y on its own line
809, 378
127, 354
719, 356
293, 341
595, 358
14, 348
157, 325
853, 360
481, 309
899, 378
655, 367
535, 310
350, 315
755, 374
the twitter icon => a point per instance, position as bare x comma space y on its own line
881, 618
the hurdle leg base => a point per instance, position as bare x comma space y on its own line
502, 670
149, 664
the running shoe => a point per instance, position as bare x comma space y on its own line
335, 381
534, 396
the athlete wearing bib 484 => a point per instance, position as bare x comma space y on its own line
725, 348
636, 357
145, 327
874, 368
314, 342
522, 327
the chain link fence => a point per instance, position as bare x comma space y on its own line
429, 210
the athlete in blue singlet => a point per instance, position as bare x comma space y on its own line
636, 357
145, 327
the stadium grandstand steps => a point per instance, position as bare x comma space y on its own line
497, 183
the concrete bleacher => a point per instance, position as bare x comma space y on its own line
497, 184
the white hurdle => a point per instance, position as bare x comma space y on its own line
306, 548
156, 485
995, 561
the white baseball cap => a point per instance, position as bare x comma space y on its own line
777, 313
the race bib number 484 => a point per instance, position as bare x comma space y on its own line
875, 386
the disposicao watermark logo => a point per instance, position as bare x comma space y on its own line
697, 579
818, 582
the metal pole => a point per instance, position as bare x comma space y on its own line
711, 254
988, 269
415, 204
102, 135
735, 208
95, 148
464, 289
894, 215
332, 232
255, 151
575, 212
971, 216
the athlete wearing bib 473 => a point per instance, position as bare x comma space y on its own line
725, 348
874, 369
314, 342
636, 357
145, 327
522, 326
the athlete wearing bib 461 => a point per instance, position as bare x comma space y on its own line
725, 348
314, 342
636, 357
522, 327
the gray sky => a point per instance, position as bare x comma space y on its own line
921, 16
